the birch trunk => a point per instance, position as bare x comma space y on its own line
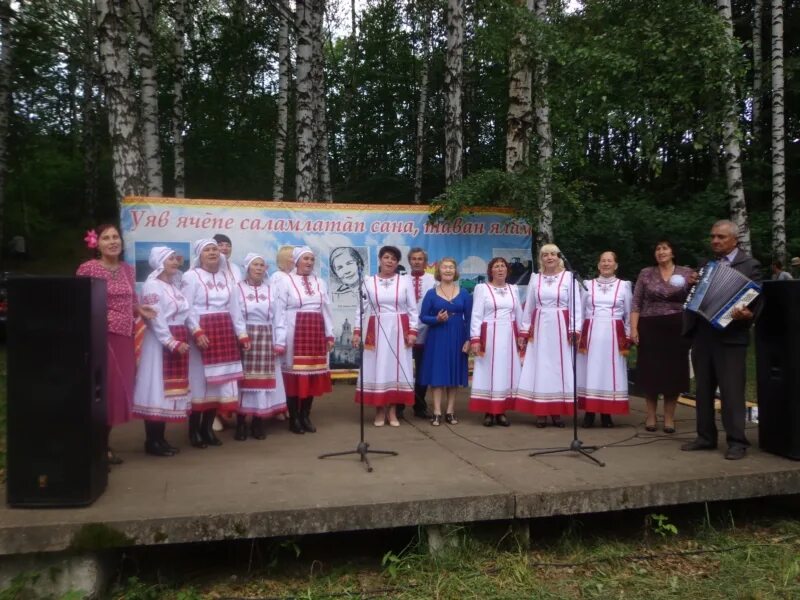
304, 111
454, 67
89, 111
419, 145
758, 66
284, 73
151, 147
545, 143
5, 103
120, 100
519, 120
177, 124
730, 144
778, 137
322, 164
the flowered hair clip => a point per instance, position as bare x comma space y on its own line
91, 239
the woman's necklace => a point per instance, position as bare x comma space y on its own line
113, 270
448, 295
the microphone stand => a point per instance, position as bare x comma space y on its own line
362, 449
576, 445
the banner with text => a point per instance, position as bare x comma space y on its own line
345, 237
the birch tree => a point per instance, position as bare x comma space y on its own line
519, 120
322, 165
422, 106
177, 124
758, 66
778, 136
5, 91
453, 75
151, 148
731, 147
284, 75
544, 141
304, 109
120, 99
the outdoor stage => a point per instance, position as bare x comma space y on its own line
467, 473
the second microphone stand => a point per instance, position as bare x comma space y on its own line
576, 445
362, 449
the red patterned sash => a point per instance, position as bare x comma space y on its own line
175, 366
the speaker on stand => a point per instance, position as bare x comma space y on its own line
778, 369
56, 391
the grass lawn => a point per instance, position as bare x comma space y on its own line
654, 560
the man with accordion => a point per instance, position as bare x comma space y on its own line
719, 312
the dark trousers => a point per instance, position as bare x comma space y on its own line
724, 365
419, 390
420, 406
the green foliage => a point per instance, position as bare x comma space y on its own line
660, 524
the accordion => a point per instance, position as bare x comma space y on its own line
720, 289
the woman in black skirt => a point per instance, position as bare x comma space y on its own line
656, 313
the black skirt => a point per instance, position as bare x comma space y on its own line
663, 358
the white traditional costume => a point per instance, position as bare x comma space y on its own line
390, 314
496, 316
162, 379
261, 390
602, 364
213, 372
546, 382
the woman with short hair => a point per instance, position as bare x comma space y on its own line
604, 344
662, 359
446, 310
551, 321
495, 341
390, 311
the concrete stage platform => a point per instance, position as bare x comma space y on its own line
466, 473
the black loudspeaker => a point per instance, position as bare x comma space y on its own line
778, 369
56, 391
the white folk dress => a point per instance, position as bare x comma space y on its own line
496, 316
306, 371
390, 313
211, 294
546, 383
152, 399
602, 360
263, 319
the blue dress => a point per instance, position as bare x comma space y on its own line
443, 363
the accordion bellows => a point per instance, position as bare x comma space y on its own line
720, 289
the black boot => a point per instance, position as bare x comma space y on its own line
162, 440
195, 421
295, 426
605, 420
207, 428
152, 443
305, 411
241, 428
257, 428
588, 420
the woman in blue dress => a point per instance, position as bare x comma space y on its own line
446, 310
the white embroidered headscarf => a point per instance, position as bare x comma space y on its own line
198, 250
300, 251
251, 256
158, 256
